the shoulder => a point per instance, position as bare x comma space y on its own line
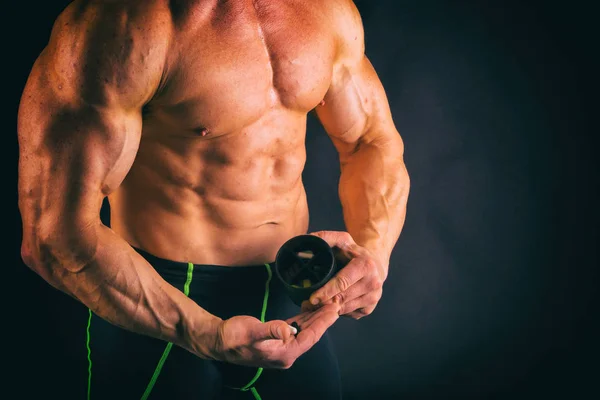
149, 17
347, 25
110, 24
108, 43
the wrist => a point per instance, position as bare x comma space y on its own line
201, 336
379, 253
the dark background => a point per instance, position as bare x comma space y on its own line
492, 282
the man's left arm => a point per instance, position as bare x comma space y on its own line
374, 183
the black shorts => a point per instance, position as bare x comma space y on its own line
125, 365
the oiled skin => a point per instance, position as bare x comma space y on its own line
249, 75
191, 116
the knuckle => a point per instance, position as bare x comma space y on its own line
338, 298
370, 264
345, 236
374, 283
343, 282
371, 284
343, 241
351, 246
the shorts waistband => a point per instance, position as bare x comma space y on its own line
176, 270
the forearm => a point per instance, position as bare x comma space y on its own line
373, 190
103, 272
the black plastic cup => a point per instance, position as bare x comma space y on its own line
304, 264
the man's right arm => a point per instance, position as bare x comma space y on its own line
79, 128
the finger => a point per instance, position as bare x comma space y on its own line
300, 318
272, 330
365, 301
361, 313
313, 330
305, 317
306, 306
318, 314
359, 289
341, 282
336, 238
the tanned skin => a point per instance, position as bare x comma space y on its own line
191, 117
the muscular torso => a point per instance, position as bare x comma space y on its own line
217, 178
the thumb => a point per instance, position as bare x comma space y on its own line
274, 330
338, 239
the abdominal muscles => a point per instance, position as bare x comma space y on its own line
232, 198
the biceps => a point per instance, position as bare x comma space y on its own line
355, 103
69, 159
